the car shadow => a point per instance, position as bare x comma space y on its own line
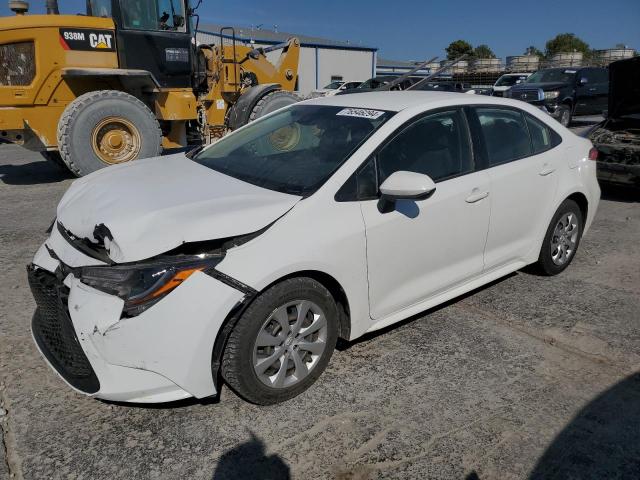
187, 402
33, 173
249, 461
601, 441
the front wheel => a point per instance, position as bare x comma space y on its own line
282, 343
106, 127
562, 239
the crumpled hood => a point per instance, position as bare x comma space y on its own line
153, 205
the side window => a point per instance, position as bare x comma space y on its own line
601, 75
436, 145
505, 135
150, 15
100, 8
362, 185
542, 137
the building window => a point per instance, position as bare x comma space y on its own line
336, 78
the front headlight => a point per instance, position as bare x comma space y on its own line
551, 95
141, 285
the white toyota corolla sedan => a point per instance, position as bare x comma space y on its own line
330, 218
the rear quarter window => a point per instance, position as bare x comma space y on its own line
543, 138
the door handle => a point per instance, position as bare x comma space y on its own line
476, 196
547, 170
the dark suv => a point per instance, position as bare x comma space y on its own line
565, 92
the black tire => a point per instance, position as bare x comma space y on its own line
80, 118
563, 114
55, 159
546, 264
238, 357
271, 102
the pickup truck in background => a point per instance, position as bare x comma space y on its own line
618, 137
565, 92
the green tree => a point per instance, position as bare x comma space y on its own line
532, 50
566, 42
483, 51
458, 48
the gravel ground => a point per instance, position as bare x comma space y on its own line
529, 377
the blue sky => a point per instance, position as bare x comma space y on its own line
414, 29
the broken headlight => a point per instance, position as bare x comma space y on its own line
141, 285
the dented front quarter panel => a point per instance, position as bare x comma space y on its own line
173, 339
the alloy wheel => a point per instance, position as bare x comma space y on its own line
564, 238
290, 344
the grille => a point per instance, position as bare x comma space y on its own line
54, 332
526, 95
17, 64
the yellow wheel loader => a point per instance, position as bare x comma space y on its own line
129, 79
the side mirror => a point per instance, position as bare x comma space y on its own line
404, 185
583, 81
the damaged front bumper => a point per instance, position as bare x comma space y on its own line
163, 354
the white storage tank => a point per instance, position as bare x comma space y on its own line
566, 59
523, 63
613, 54
486, 65
461, 67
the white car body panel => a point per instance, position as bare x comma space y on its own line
390, 266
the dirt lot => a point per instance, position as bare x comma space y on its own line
529, 377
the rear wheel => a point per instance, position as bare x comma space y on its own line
271, 102
562, 239
282, 342
104, 128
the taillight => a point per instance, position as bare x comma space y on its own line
593, 154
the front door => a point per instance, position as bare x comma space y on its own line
153, 35
422, 248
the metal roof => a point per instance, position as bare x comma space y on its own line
261, 35
386, 62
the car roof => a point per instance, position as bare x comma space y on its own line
397, 101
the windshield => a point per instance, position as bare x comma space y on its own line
294, 150
553, 75
376, 82
333, 85
508, 80
442, 87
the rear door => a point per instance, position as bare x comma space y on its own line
523, 171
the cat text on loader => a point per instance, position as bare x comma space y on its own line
128, 79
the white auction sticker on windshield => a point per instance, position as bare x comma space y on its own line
570, 71
360, 113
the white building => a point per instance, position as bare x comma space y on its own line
321, 61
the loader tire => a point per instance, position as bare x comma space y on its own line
271, 102
105, 128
